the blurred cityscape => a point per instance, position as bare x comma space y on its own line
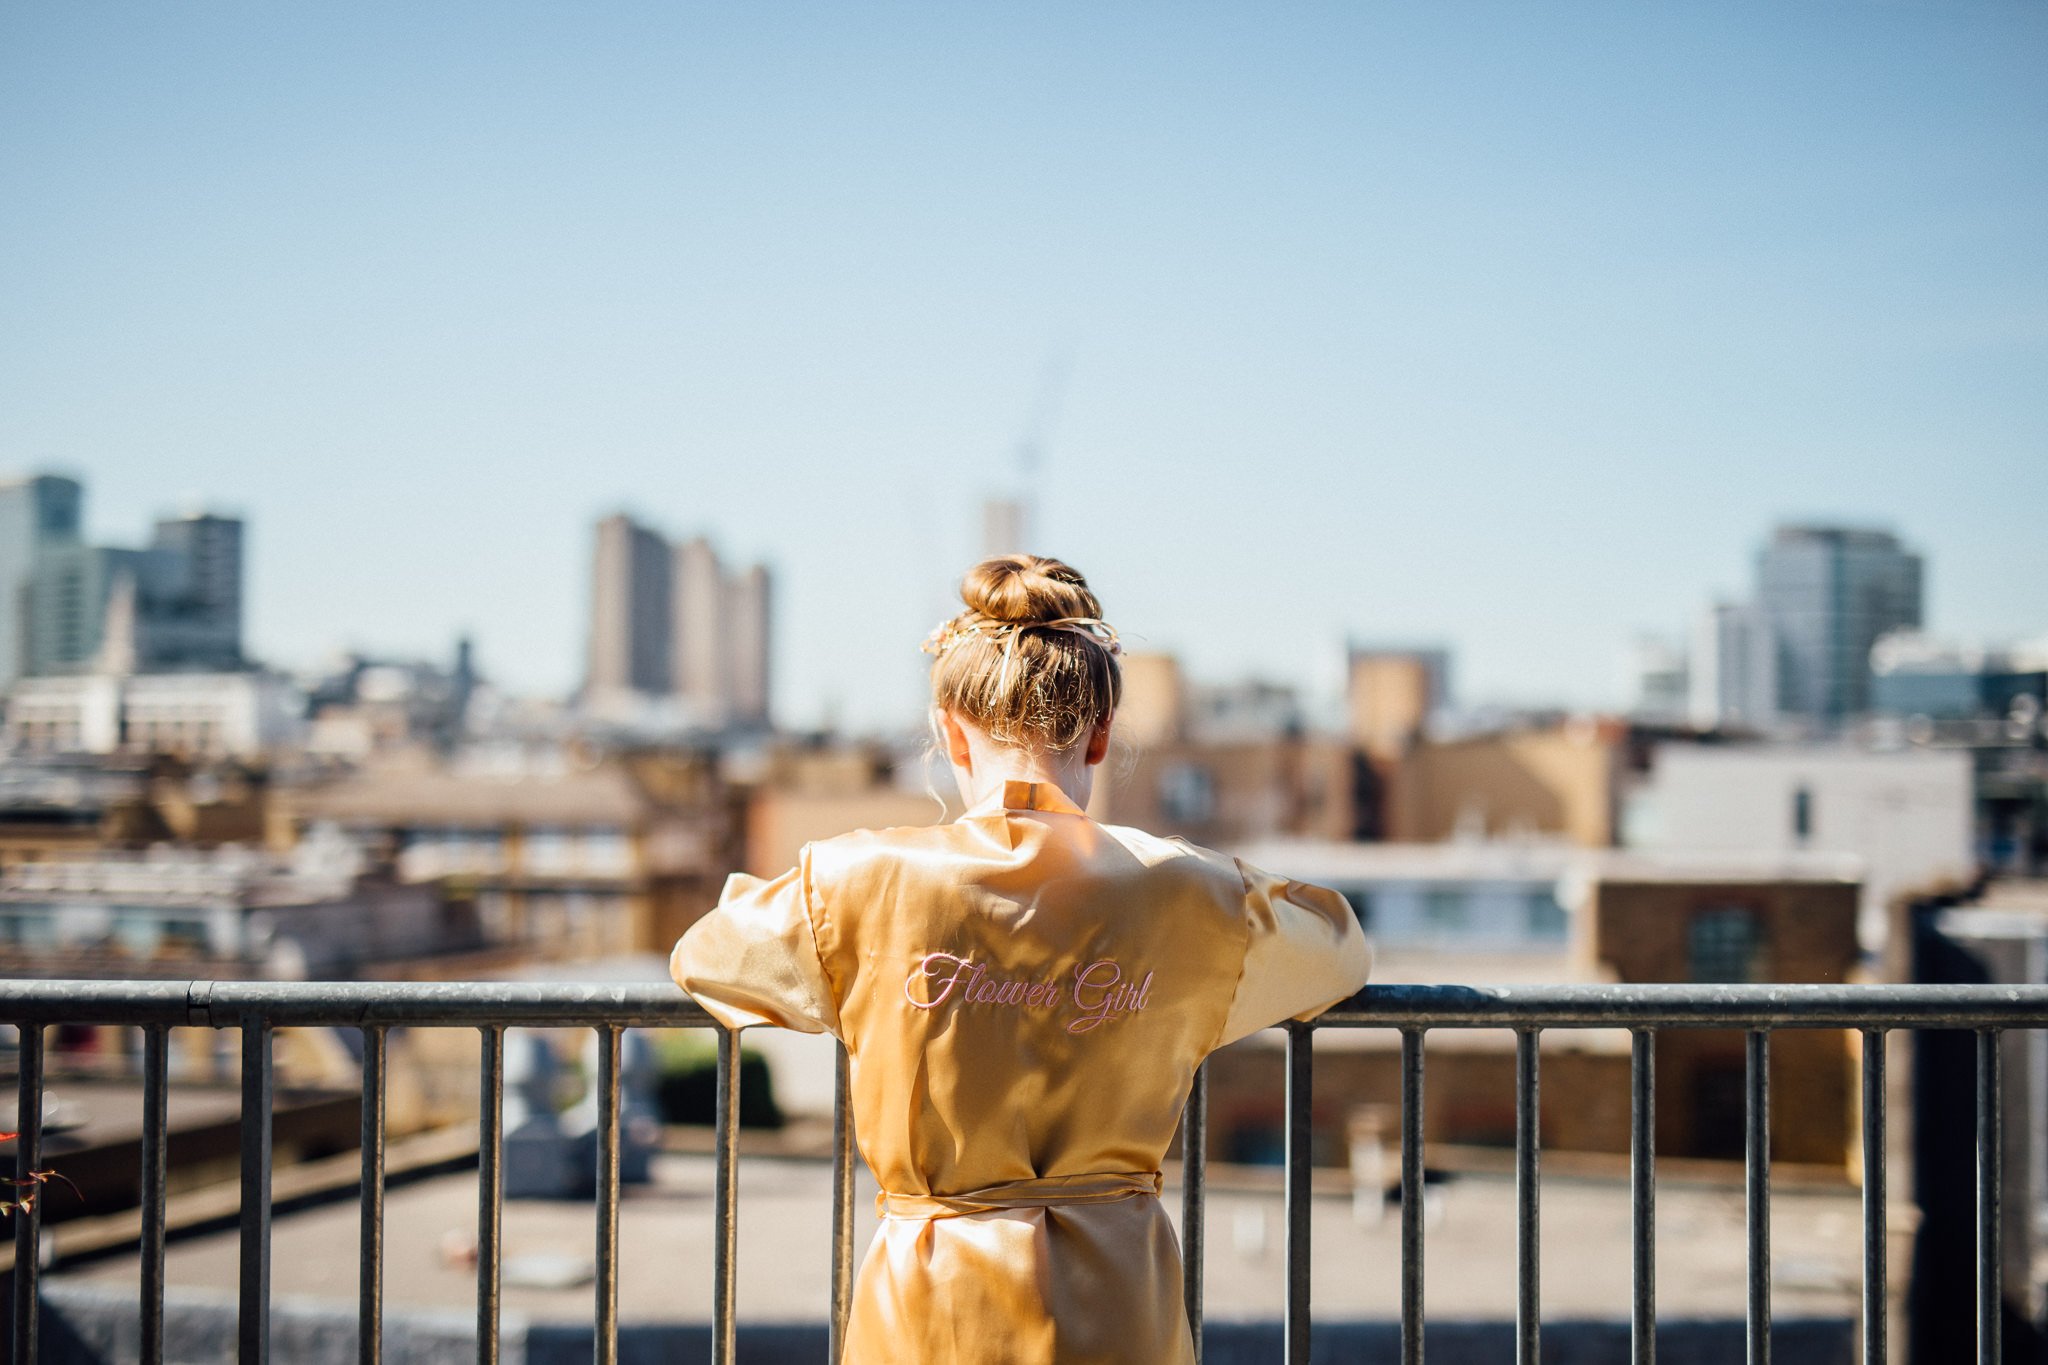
1812, 784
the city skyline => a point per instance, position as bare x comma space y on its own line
1514, 329
671, 562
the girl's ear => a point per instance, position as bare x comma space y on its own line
1098, 741
957, 748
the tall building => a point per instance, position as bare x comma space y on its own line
1733, 679
748, 623
68, 600
1828, 593
670, 624
178, 602
37, 514
192, 612
698, 676
631, 623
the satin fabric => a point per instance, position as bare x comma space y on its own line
1024, 995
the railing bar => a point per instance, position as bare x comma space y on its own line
370, 1242
253, 1314
1875, 1293
1642, 1175
155, 1154
724, 1192
1299, 1132
1528, 1195
608, 1196
1757, 1188
1990, 1190
1411, 1197
28, 1155
490, 1191
842, 1204
1194, 1179
221, 1004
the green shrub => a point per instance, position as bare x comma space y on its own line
686, 1085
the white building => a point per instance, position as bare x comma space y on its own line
1452, 897
213, 715
1906, 816
1657, 676
1734, 676
167, 909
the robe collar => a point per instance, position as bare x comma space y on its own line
1016, 795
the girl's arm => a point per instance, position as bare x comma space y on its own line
1304, 952
754, 958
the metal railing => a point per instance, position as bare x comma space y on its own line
257, 1008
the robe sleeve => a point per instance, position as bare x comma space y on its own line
754, 959
1304, 952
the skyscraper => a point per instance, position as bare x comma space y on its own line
1828, 593
748, 621
698, 676
67, 605
670, 624
631, 621
192, 606
181, 598
37, 514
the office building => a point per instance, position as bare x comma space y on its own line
673, 631
193, 616
630, 615
1829, 593
1912, 675
37, 514
748, 623
178, 601
698, 673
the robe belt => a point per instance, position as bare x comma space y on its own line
1097, 1187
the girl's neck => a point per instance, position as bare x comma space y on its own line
994, 765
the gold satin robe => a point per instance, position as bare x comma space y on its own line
1024, 995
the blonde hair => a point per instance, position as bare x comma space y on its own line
1029, 661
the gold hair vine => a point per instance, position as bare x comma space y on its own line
949, 633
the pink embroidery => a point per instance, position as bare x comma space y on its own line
933, 964
1101, 991
1102, 994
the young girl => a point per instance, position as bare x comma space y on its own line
1024, 995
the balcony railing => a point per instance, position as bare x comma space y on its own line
257, 1008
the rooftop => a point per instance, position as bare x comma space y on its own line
666, 1240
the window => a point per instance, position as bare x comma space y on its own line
1445, 908
1546, 917
1802, 815
1187, 794
1723, 943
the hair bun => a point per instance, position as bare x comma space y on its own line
1025, 589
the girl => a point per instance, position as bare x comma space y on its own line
1024, 995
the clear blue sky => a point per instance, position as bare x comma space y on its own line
1510, 325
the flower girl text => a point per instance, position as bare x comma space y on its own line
1101, 990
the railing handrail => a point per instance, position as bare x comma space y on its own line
257, 1008
227, 1004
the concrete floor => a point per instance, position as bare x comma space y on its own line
666, 1238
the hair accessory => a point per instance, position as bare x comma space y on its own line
949, 633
